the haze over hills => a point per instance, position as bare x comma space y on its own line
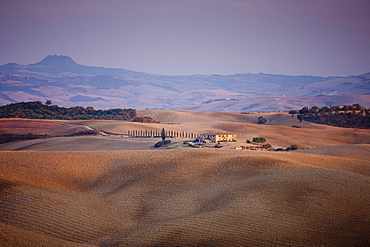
67, 83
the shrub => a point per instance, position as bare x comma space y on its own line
296, 126
162, 143
266, 145
293, 147
158, 144
261, 120
259, 139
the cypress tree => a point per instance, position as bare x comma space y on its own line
163, 134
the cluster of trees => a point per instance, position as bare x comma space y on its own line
268, 146
261, 120
38, 110
292, 147
259, 139
349, 116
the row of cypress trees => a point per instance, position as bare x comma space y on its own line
158, 133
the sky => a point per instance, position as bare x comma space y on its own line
183, 37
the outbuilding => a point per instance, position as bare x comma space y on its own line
217, 137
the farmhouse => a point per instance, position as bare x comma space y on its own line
217, 137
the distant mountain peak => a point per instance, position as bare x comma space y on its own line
55, 60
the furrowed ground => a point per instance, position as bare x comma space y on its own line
59, 196
184, 197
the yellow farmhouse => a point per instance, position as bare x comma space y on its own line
217, 137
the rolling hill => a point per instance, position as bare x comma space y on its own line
277, 130
120, 191
183, 198
67, 83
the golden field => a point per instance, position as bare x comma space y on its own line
36, 126
108, 195
278, 131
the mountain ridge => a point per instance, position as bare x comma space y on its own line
62, 60
55, 60
60, 79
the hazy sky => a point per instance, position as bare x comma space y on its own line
294, 37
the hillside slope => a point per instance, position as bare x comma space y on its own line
183, 198
278, 131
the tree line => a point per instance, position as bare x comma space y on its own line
38, 110
165, 133
348, 116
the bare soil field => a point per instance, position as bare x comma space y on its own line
81, 143
278, 130
37, 126
358, 151
120, 191
187, 197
